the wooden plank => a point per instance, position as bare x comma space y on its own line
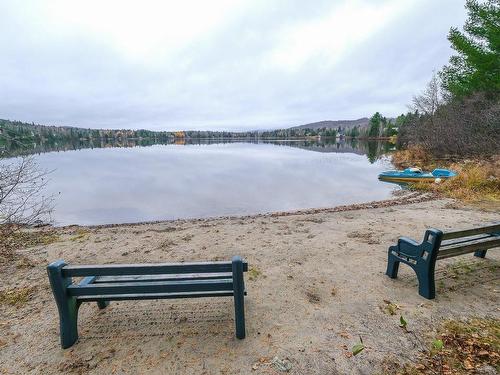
460, 249
87, 280
151, 287
128, 297
495, 228
460, 240
185, 276
148, 269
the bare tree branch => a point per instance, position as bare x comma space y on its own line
22, 188
430, 99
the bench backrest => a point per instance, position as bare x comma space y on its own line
136, 280
148, 269
469, 240
489, 229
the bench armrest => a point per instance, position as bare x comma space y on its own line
407, 241
430, 243
408, 247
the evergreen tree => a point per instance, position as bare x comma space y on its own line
476, 67
354, 132
375, 122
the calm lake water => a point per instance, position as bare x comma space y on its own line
159, 182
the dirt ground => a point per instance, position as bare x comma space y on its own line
316, 285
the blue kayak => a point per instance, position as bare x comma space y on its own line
416, 175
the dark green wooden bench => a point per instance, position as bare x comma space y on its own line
119, 282
438, 245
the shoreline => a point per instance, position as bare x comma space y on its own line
399, 199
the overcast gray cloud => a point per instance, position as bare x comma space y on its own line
217, 64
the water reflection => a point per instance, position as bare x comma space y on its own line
372, 149
133, 184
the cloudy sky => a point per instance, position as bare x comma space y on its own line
218, 64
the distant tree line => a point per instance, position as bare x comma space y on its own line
20, 132
15, 134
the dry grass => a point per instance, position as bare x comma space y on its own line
29, 238
461, 347
254, 273
16, 296
80, 235
18, 238
477, 180
412, 156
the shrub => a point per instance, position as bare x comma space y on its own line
467, 127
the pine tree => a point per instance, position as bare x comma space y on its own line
476, 67
375, 121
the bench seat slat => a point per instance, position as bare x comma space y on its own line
451, 251
148, 269
185, 276
126, 297
151, 287
470, 232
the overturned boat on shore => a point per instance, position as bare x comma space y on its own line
412, 175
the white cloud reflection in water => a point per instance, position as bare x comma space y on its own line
119, 185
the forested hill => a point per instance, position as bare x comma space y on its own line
342, 124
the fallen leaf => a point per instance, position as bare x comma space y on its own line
358, 348
468, 364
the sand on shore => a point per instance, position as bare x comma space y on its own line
316, 285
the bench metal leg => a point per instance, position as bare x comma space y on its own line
102, 304
426, 283
239, 295
67, 306
392, 265
480, 253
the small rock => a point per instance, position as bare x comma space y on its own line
282, 365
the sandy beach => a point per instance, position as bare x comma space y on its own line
316, 285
